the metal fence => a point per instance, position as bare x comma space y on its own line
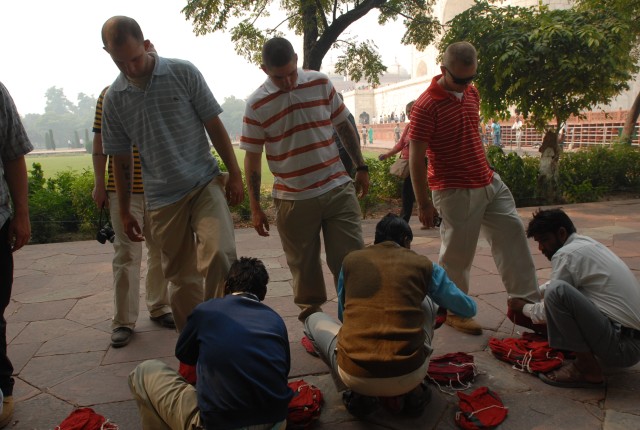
576, 135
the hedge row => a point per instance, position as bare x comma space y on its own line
62, 207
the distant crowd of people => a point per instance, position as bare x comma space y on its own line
156, 175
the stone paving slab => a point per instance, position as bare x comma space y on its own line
59, 334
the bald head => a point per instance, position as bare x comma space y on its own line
117, 30
460, 54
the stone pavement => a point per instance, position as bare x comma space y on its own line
59, 319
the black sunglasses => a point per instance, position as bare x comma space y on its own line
460, 81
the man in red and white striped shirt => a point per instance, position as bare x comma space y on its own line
467, 194
292, 117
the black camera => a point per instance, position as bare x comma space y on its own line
106, 233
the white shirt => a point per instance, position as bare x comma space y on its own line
600, 275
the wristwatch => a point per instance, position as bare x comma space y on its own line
363, 168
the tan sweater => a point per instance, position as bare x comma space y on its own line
382, 333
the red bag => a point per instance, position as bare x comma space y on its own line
188, 372
482, 409
305, 406
531, 353
455, 371
86, 419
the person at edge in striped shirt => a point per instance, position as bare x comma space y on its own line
467, 194
127, 255
291, 117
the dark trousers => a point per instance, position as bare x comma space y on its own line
6, 282
408, 198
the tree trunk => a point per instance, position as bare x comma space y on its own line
548, 173
310, 33
630, 123
317, 45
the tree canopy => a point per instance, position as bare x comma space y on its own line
548, 64
630, 11
62, 120
320, 23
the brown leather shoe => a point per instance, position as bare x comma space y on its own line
7, 411
465, 325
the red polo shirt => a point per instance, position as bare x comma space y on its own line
450, 127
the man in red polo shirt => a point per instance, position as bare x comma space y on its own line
466, 193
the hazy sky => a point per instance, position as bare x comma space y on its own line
45, 43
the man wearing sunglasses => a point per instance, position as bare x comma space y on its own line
466, 193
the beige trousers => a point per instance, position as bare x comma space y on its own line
197, 241
167, 402
491, 210
126, 268
337, 215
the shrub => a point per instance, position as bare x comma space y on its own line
588, 174
382, 185
520, 174
60, 204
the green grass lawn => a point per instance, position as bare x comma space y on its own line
52, 164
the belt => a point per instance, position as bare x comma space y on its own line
630, 332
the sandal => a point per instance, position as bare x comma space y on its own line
569, 376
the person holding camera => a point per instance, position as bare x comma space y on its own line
468, 195
128, 254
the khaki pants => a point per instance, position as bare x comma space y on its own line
126, 268
197, 241
167, 402
465, 213
337, 214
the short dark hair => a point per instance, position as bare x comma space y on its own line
247, 275
277, 52
549, 221
463, 53
117, 30
393, 228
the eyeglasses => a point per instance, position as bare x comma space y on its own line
460, 81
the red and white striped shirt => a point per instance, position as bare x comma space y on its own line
449, 126
295, 129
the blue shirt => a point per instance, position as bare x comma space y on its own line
241, 351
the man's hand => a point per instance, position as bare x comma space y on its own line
362, 183
427, 214
99, 195
260, 222
19, 231
234, 191
131, 227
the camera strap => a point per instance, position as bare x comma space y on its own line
102, 211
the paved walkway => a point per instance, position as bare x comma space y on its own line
58, 329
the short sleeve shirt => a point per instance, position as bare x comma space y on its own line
14, 143
166, 122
